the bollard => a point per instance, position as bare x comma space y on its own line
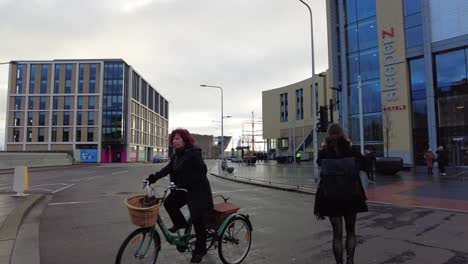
20, 181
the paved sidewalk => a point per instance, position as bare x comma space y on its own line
12, 212
414, 188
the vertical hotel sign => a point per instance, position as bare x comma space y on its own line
390, 65
394, 79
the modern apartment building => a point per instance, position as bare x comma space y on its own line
287, 115
409, 58
100, 110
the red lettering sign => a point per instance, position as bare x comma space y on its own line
390, 33
394, 108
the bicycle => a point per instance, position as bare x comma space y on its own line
227, 230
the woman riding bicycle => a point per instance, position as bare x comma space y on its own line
188, 171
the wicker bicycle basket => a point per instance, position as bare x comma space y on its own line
139, 215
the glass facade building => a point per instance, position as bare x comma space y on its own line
85, 107
410, 60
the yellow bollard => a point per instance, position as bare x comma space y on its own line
20, 181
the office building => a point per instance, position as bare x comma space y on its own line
99, 110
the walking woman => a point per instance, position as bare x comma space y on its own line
332, 200
188, 171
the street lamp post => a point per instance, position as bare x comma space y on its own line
222, 118
314, 96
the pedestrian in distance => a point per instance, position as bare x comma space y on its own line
298, 157
442, 159
369, 165
429, 157
340, 194
188, 171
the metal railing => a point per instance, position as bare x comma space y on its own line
270, 172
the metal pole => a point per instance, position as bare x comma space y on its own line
361, 126
314, 96
222, 118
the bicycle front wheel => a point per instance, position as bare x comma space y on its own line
234, 243
142, 246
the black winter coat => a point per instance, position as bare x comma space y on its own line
188, 170
325, 206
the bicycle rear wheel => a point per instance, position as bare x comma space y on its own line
234, 243
142, 246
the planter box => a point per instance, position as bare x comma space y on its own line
388, 165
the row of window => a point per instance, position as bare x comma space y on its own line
146, 95
44, 72
43, 115
40, 133
299, 106
147, 139
67, 100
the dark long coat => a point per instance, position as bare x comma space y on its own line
324, 206
188, 170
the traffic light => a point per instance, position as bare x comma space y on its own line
322, 124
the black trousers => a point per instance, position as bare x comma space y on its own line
176, 200
370, 174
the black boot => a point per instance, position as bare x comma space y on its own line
198, 256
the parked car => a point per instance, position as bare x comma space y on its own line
158, 159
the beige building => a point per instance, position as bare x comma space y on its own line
287, 115
99, 110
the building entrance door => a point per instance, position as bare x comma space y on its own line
116, 157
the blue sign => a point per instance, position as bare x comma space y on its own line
88, 155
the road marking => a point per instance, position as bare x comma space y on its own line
119, 172
87, 178
242, 190
61, 189
72, 203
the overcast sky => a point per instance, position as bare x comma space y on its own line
245, 46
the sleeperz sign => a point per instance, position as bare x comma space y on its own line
390, 63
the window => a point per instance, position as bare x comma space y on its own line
42, 102
16, 135
66, 104
91, 102
68, 76
18, 102
42, 116
54, 118
92, 78
79, 117
31, 103
80, 80
78, 134
299, 103
66, 118
55, 102
284, 107
29, 135
41, 134
44, 71
90, 134
32, 78
19, 78
65, 134
90, 118
80, 102
30, 118
54, 134
413, 23
17, 119
57, 78
451, 72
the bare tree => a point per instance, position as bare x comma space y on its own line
387, 130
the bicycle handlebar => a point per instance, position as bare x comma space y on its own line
172, 187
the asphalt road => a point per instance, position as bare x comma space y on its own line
86, 221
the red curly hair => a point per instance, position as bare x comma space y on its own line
184, 134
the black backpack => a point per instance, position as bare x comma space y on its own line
339, 178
